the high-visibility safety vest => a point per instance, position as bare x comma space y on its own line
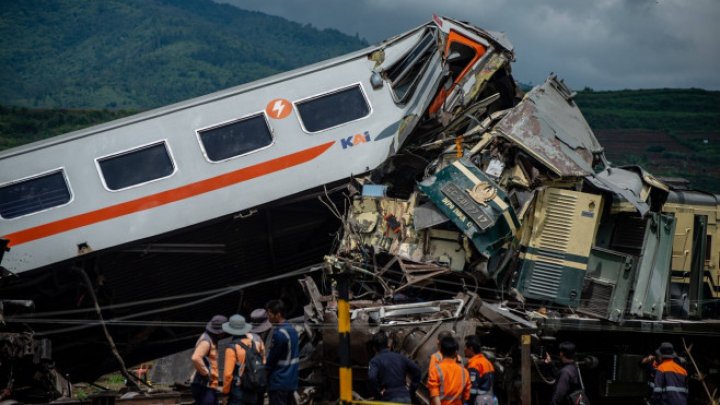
482, 374
436, 358
209, 359
449, 381
288, 360
670, 384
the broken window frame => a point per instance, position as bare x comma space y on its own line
479, 51
298, 105
136, 149
43, 205
420, 55
237, 121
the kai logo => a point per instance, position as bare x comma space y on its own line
355, 140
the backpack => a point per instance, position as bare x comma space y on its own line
253, 376
578, 397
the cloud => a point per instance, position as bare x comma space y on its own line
604, 44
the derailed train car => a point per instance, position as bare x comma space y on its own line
122, 239
462, 204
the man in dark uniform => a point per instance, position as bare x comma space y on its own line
283, 357
387, 371
568, 379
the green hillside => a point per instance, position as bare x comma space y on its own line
670, 132
141, 54
670, 110
20, 125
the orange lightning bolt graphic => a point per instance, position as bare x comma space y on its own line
278, 108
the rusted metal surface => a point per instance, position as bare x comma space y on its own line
548, 125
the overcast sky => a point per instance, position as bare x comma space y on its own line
603, 44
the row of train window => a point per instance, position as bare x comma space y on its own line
153, 162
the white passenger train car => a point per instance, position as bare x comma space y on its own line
159, 204
223, 153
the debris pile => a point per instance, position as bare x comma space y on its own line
502, 222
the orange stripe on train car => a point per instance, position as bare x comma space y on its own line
166, 197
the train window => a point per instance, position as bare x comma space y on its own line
406, 73
142, 165
34, 194
333, 109
235, 138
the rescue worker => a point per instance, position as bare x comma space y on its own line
283, 356
204, 381
437, 356
260, 331
568, 378
235, 356
260, 324
670, 378
387, 372
482, 373
448, 381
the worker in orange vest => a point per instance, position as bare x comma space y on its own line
482, 373
242, 346
448, 381
204, 383
437, 356
671, 380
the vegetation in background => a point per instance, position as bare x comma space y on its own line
20, 125
668, 110
141, 54
686, 123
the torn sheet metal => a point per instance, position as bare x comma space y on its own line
632, 186
415, 274
506, 319
426, 216
548, 125
315, 308
623, 183
481, 78
474, 203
